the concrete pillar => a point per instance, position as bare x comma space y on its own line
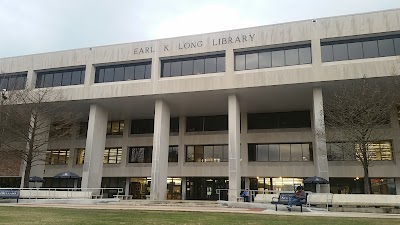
234, 148
90, 72
159, 166
127, 183
183, 183
37, 168
95, 145
229, 61
319, 143
31, 79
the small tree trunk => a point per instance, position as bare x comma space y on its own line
27, 173
367, 188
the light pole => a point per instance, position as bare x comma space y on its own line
3, 98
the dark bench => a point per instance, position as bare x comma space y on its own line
284, 200
9, 194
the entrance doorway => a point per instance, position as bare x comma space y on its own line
204, 188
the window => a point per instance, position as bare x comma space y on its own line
144, 126
112, 155
59, 131
140, 154
345, 151
274, 57
278, 120
290, 152
144, 154
12, 81
207, 123
83, 128
207, 153
193, 65
57, 157
174, 125
123, 72
60, 78
115, 127
80, 156
370, 47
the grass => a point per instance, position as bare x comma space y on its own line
59, 216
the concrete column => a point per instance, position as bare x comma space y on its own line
184, 188
234, 147
90, 73
95, 145
31, 79
181, 145
127, 183
37, 168
159, 166
319, 144
229, 61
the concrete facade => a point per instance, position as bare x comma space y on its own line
233, 93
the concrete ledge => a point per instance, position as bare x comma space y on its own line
55, 194
67, 201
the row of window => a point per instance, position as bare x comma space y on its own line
136, 71
370, 47
345, 151
60, 78
286, 56
280, 152
12, 82
277, 120
193, 66
360, 48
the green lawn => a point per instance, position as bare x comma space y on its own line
58, 216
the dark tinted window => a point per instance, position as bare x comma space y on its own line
221, 64
340, 52
210, 65
66, 80
326, 53
174, 125
305, 55
386, 47
48, 80
278, 58
240, 62
370, 49
215, 123
176, 68
264, 59
251, 61
280, 152
187, 67
355, 50
57, 79
207, 153
397, 45
198, 66
119, 74
76, 77
278, 120
132, 71
139, 72
194, 124
144, 126
166, 69
193, 65
291, 57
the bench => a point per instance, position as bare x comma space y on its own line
9, 194
284, 200
124, 197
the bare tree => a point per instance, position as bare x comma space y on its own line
30, 119
357, 116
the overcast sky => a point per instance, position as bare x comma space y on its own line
35, 26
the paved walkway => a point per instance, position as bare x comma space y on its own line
211, 209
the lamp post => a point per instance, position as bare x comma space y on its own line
3, 98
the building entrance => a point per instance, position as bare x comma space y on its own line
204, 188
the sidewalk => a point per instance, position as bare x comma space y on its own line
281, 212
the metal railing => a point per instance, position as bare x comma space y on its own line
252, 193
64, 193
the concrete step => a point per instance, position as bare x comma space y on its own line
171, 203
